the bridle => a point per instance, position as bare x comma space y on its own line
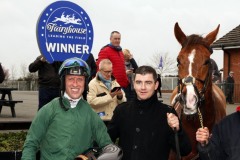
190, 80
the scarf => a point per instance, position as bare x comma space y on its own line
107, 83
117, 48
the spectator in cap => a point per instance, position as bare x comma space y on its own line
230, 87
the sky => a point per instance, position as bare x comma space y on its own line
146, 26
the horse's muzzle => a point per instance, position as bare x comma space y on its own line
190, 105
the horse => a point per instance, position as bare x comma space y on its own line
198, 101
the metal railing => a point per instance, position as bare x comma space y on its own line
168, 83
225, 88
21, 85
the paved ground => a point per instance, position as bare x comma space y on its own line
26, 111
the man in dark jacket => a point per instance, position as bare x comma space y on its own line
224, 144
48, 79
230, 87
92, 65
93, 70
2, 74
159, 86
145, 126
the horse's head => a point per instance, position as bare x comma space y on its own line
193, 68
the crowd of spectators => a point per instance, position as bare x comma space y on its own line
76, 97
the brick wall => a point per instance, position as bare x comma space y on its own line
232, 63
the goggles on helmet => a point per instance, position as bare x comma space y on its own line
74, 66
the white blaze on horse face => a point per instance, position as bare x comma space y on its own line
191, 96
190, 58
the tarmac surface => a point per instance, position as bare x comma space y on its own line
26, 111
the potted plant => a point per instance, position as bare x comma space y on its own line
11, 145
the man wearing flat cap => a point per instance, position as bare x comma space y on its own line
230, 87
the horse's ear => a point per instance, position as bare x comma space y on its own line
212, 36
180, 36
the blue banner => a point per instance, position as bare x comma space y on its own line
161, 63
64, 30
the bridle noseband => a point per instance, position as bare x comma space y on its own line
190, 80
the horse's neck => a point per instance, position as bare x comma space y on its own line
209, 94
207, 108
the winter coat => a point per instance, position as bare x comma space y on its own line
143, 130
100, 99
225, 141
47, 73
117, 59
61, 134
92, 65
2, 75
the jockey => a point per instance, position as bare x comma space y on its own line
66, 126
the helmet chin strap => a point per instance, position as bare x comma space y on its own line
63, 106
66, 102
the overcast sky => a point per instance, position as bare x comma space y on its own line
146, 25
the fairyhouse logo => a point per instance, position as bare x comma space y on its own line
64, 30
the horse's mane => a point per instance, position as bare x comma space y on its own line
195, 39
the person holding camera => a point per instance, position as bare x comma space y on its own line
131, 66
48, 79
105, 92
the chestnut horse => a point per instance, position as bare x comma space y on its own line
198, 101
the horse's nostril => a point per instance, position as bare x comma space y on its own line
189, 80
196, 99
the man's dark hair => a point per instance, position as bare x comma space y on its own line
146, 70
114, 32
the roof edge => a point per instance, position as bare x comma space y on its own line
225, 45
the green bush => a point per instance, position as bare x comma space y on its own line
12, 141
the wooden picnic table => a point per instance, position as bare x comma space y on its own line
7, 100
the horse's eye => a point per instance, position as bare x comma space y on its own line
206, 62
